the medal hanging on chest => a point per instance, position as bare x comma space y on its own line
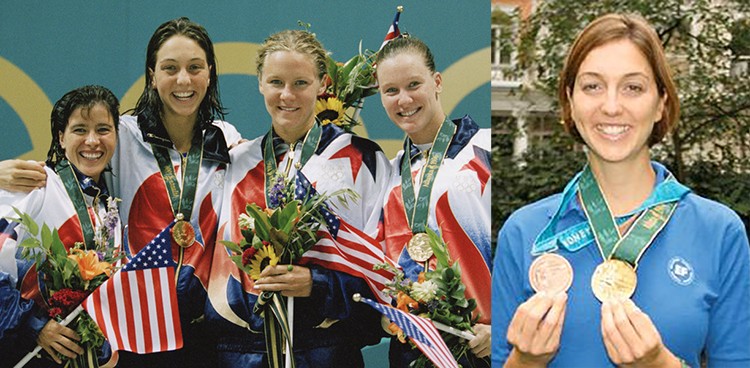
417, 206
615, 278
181, 199
73, 188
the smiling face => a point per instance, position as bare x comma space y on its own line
181, 77
290, 86
615, 102
409, 92
89, 139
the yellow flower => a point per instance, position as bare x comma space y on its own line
89, 264
330, 111
265, 256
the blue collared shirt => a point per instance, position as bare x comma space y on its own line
693, 282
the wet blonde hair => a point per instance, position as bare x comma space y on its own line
300, 41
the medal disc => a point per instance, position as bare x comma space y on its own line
550, 273
183, 233
419, 247
613, 280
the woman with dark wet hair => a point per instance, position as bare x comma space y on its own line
84, 126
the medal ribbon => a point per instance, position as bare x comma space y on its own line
182, 200
309, 145
271, 305
73, 188
578, 236
417, 209
271, 302
630, 246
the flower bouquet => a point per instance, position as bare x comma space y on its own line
438, 295
70, 275
281, 234
347, 84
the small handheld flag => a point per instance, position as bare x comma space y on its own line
421, 331
136, 309
393, 31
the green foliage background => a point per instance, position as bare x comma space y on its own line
708, 151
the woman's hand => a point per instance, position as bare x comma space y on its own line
631, 338
290, 280
480, 344
22, 176
55, 338
535, 330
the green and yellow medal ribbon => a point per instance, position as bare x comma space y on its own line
612, 244
73, 188
416, 207
309, 145
271, 305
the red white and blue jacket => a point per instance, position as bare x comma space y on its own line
147, 210
342, 160
459, 210
51, 206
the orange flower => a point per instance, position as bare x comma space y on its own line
89, 264
395, 330
421, 277
404, 302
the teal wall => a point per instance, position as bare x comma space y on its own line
50, 47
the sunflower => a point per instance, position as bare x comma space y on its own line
331, 110
265, 256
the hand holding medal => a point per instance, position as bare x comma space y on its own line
630, 336
536, 328
550, 273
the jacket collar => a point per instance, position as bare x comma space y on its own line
214, 143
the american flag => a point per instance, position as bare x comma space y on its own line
136, 308
421, 331
344, 248
393, 31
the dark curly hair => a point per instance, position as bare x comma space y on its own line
82, 97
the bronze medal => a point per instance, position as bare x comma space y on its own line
550, 273
613, 280
183, 233
419, 247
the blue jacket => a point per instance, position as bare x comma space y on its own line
693, 282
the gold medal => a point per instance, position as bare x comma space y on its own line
419, 247
183, 232
613, 280
550, 273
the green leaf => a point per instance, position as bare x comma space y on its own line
438, 247
262, 222
56, 246
287, 216
234, 247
